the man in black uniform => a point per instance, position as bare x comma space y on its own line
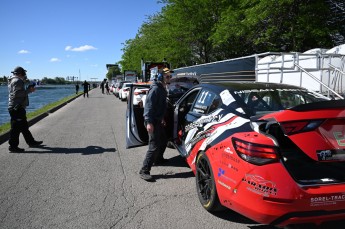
154, 111
18, 100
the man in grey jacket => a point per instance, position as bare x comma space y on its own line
18, 100
154, 111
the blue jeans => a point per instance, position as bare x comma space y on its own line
157, 145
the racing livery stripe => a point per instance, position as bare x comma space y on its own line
222, 132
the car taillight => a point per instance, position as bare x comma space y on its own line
255, 153
295, 127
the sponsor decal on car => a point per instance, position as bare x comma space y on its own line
226, 97
195, 130
327, 200
222, 177
266, 90
229, 165
324, 155
224, 185
200, 122
331, 155
228, 154
259, 185
196, 139
228, 150
230, 157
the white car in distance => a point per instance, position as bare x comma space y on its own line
139, 93
124, 91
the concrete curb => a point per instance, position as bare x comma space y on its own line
5, 136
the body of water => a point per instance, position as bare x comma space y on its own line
43, 95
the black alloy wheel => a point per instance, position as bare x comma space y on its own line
205, 184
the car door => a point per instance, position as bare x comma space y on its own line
193, 112
183, 116
136, 133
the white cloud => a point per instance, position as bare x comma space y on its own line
23, 51
55, 59
80, 49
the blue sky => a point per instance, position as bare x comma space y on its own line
61, 38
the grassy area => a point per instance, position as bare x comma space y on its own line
5, 127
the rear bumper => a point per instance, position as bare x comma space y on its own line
282, 212
281, 215
316, 217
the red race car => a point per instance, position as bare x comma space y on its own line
274, 153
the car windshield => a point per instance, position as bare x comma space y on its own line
274, 99
179, 85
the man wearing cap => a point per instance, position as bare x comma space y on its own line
18, 100
154, 111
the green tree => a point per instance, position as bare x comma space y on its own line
112, 72
270, 25
180, 33
186, 32
337, 19
4, 79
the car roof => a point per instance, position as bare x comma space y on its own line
245, 85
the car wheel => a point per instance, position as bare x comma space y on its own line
205, 184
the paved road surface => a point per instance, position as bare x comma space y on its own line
83, 177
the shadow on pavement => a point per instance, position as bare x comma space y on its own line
174, 175
233, 216
89, 150
176, 161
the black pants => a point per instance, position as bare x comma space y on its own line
86, 92
157, 146
19, 124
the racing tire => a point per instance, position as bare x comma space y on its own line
205, 185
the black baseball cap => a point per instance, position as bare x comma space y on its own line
19, 70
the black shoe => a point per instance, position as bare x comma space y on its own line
15, 149
145, 175
161, 161
35, 143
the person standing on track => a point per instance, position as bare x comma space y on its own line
154, 111
86, 88
18, 100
